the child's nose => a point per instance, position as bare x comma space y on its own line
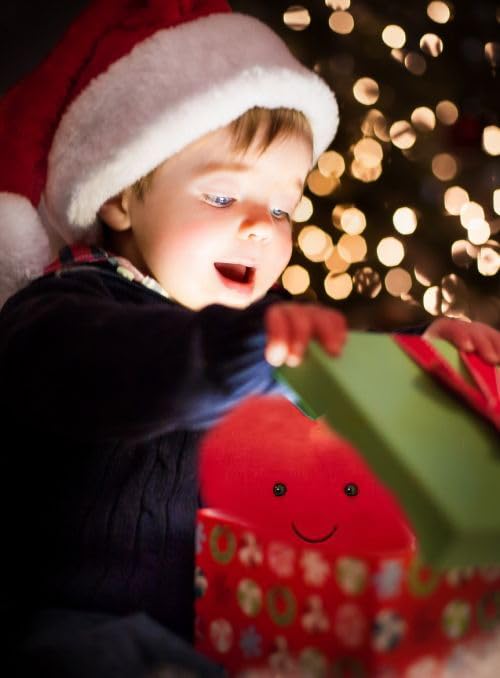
256, 226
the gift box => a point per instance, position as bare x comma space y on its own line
274, 607
426, 419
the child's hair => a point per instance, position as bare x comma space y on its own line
271, 122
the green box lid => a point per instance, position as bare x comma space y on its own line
439, 458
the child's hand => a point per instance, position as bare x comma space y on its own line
290, 327
468, 336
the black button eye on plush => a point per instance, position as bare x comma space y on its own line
351, 489
279, 489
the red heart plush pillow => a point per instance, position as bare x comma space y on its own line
269, 465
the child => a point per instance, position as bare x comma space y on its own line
171, 140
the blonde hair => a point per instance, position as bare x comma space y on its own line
257, 125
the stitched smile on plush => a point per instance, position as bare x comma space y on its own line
271, 467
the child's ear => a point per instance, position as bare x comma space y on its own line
116, 211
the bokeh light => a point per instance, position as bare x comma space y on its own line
374, 123
423, 119
338, 4
368, 152
488, 261
336, 263
367, 282
397, 282
297, 17
303, 211
455, 198
315, 243
404, 220
463, 253
337, 213
432, 300
341, 22
447, 112
331, 163
478, 231
394, 36
470, 211
366, 91
444, 166
319, 184
431, 44
353, 221
364, 173
491, 140
402, 134
338, 286
390, 251
438, 12
492, 53
496, 200
295, 279
415, 63
352, 248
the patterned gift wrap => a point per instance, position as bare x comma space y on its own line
269, 608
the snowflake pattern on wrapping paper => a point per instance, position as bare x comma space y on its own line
456, 618
388, 579
200, 537
249, 596
351, 575
490, 573
316, 568
425, 667
313, 662
250, 553
457, 576
200, 582
280, 659
315, 619
251, 642
281, 558
221, 635
389, 629
350, 625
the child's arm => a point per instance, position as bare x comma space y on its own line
468, 336
74, 358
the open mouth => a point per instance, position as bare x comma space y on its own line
312, 540
236, 276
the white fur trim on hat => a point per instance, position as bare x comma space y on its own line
24, 243
170, 90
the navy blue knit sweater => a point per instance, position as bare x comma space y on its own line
106, 388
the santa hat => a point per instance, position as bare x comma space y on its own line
131, 83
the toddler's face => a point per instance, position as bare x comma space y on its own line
214, 226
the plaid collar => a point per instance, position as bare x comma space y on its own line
76, 255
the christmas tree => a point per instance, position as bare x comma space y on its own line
400, 219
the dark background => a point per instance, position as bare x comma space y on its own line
462, 74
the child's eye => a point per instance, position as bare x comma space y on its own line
218, 200
280, 214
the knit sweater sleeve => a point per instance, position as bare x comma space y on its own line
76, 360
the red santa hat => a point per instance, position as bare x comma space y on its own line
131, 83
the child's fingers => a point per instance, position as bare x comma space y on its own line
466, 336
290, 328
485, 345
278, 335
301, 330
331, 330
